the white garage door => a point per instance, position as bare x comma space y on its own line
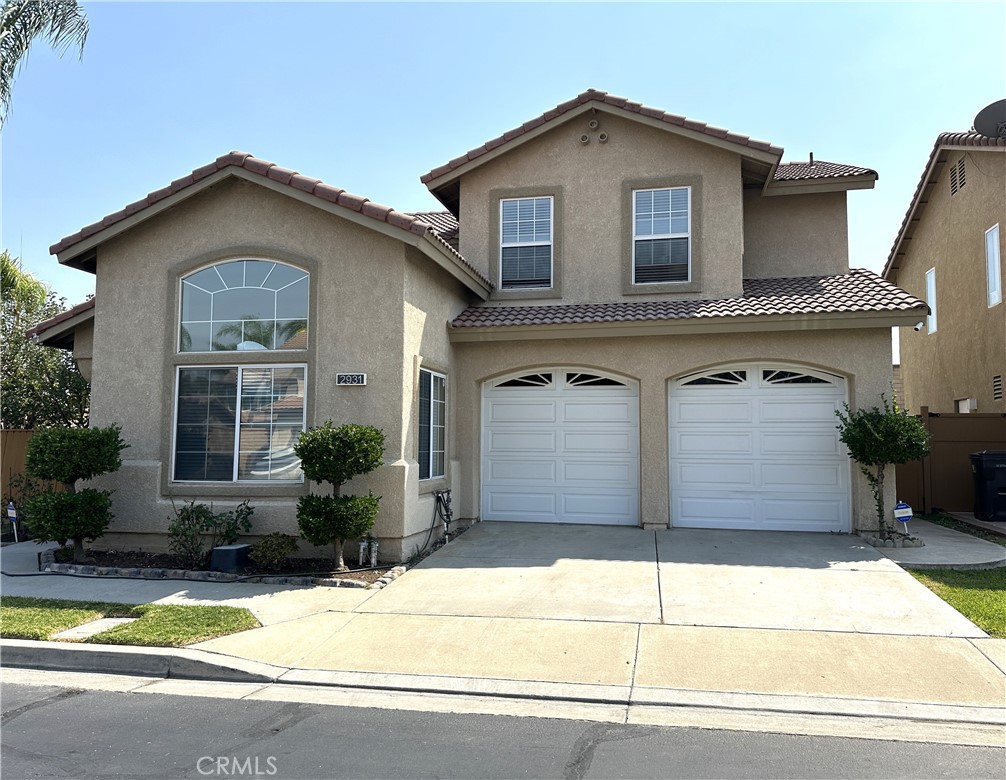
561, 446
756, 446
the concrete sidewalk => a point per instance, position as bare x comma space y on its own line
781, 623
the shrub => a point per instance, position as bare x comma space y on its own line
67, 455
272, 551
192, 523
877, 438
336, 455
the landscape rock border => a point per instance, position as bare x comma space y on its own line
908, 541
217, 576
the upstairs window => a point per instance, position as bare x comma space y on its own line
993, 270
931, 300
244, 305
661, 235
526, 243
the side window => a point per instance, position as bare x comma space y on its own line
238, 423
526, 243
244, 305
931, 300
432, 423
993, 269
661, 235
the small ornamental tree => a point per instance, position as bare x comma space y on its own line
67, 455
336, 455
877, 438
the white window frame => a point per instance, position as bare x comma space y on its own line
237, 425
428, 375
931, 300
993, 267
517, 244
662, 236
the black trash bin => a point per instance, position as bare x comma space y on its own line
989, 469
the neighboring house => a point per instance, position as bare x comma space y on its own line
949, 252
624, 317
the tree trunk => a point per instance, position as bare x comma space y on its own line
878, 494
78, 550
339, 565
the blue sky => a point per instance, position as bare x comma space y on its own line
369, 97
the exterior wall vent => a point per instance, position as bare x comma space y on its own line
957, 176
997, 387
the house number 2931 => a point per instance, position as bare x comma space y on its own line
350, 379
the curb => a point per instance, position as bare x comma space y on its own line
188, 664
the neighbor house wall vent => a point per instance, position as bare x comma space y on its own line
957, 176
997, 387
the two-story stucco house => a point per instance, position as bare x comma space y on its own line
949, 251
623, 317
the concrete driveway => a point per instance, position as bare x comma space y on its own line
687, 577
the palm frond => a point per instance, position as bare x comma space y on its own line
60, 22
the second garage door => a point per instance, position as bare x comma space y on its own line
756, 446
561, 446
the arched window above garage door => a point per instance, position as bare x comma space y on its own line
569, 379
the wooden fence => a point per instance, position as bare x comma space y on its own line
13, 448
944, 479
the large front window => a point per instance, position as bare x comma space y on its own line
661, 235
525, 243
432, 423
244, 305
238, 423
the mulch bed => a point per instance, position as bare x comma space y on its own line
315, 567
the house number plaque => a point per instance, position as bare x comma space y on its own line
350, 379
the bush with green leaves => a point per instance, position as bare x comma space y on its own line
195, 529
68, 455
880, 437
336, 455
273, 550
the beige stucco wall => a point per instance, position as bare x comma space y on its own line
358, 282
591, 243
969, 346
795, 235
862, 356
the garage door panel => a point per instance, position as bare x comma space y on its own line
786, 511
712, 443
597, 507
600, 473
521, 441
522, 412
595, 411
735, 411
797, 411
710, 512
527, 503
597, 441
522, 471
814, 443
801, 476
717, 474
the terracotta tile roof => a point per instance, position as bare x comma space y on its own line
269, 170
857, 291
70, 313
611, 100
443, 223
818, 169
943, 140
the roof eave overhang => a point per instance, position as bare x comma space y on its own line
441, 185
82, 255
691, 326
61, 335
812, 186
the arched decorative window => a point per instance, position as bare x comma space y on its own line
244, 305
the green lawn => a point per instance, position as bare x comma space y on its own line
159, 625
979, 595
